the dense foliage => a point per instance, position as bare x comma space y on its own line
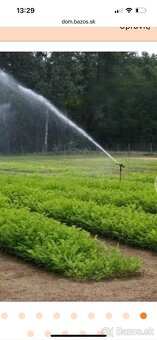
68, 251
113, 96
52, 208
124, 211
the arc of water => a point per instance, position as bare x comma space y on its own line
9, 80
68, 121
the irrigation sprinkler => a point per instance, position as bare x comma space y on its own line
121, 166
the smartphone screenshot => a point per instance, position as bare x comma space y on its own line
78, 170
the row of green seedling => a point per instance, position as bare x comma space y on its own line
127, 224
146, 198
67, 251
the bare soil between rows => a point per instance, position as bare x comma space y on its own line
20, 281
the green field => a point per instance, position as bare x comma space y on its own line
54, 208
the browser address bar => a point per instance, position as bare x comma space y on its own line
82, 13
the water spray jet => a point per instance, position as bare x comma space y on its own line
26, 93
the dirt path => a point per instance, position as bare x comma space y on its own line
20, 281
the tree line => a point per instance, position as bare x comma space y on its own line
112, 95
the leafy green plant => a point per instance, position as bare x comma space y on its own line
126, 211
68, 251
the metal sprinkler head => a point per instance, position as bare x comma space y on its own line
121, 166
